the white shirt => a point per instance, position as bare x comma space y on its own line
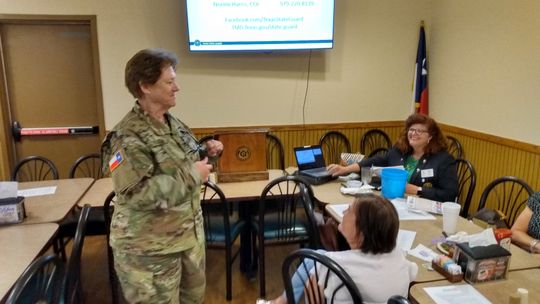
377, 276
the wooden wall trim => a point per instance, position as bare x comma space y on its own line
381, 124
326, 126
492, 138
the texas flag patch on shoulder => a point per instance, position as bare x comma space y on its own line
115, 161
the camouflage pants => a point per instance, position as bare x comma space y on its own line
173, 278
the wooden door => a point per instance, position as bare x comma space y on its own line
51, 80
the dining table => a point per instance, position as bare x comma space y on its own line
19, 246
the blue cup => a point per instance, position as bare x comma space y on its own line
393, 182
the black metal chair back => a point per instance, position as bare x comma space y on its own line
34, 168
466, 185
309, 206
398, 300
108, 210
374, 139
87, 166
281, 218
41, 282
323, 271
221, 226
454, 147
378, 151
204, 139
275, 156
334, 143
73, 292
507, 194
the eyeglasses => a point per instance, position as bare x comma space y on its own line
417, 131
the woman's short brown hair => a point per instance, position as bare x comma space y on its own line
378, 221
437, 142
145, 67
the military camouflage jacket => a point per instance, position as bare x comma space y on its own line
157, 185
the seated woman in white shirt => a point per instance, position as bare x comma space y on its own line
380, 270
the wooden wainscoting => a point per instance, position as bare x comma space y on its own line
492, 156
298, 135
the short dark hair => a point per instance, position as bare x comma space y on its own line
145, 67
438, 140
378, 221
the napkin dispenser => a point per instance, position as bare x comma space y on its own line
12, 210
482, 263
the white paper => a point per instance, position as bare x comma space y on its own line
351, 158
423, 253
407, 214
484, 238
456, 294
405, 239
339, 209
8, 189
37, 191
351, 176
427, 205
356, 190
377, 170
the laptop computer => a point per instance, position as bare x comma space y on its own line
311, 165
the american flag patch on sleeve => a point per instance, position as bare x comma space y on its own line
115, 161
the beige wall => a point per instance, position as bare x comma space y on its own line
485, 66
367, 76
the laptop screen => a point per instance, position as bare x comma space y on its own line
309, 157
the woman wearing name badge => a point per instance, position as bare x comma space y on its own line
378, 268
422, 150
526, 228
157, 169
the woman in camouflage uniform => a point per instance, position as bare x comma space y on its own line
157, 169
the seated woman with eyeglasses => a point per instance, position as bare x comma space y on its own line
378, 268
422, 150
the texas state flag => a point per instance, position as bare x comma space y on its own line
420, 94
115, 161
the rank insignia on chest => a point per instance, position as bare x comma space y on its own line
115, 161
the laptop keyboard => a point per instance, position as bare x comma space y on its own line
317, 171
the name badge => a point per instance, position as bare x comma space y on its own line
426, 173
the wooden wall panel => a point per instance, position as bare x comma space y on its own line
491, 156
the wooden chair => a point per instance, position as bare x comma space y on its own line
454, 147
34, 168
221, 227
507, 194
275, 158
108, 210
466, 185
325, 270
87, 166
374, 139
334, 143
281, 219
72, 286
41, 282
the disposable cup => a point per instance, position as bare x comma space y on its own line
450, 217
365, 175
